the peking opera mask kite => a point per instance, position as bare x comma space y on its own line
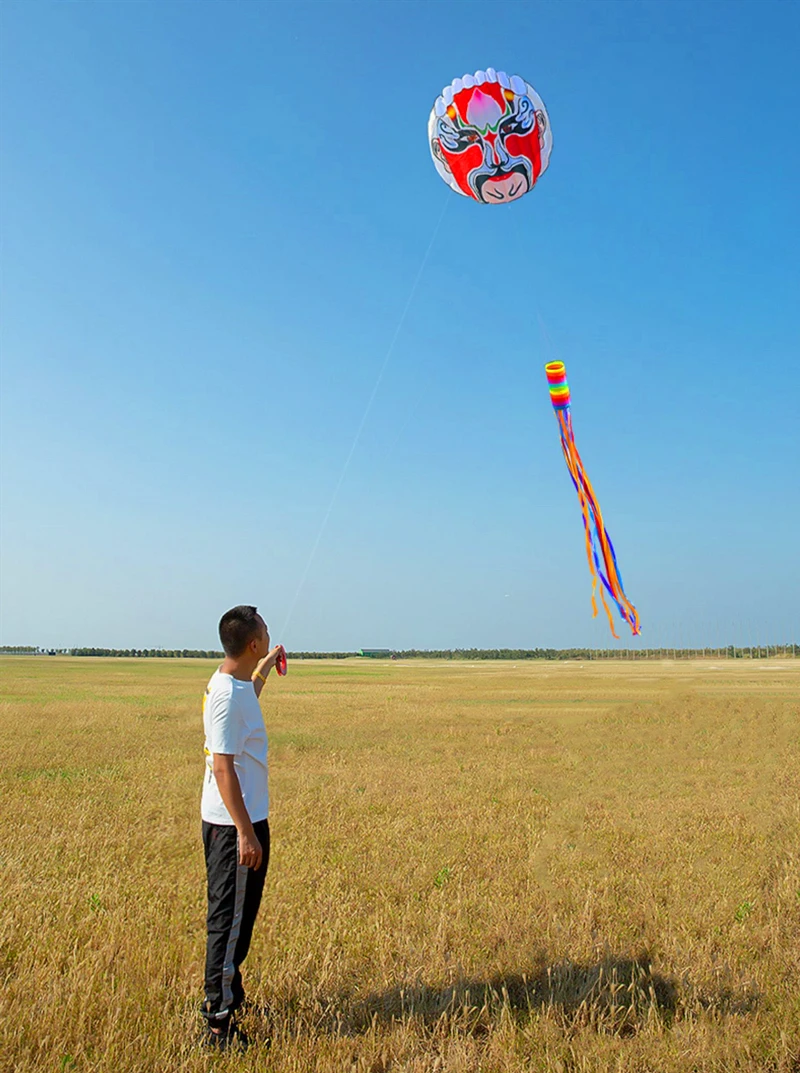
490, 137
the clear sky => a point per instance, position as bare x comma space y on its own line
213, 217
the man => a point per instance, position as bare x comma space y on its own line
235, 807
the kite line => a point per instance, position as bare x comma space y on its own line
365, 415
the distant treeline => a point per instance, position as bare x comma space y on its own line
729, 652
129, 653
151, 653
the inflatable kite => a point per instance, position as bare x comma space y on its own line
602, 563
490, 137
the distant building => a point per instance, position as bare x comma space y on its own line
375, 653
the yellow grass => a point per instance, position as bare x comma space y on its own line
494, 867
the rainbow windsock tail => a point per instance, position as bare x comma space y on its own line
599, 549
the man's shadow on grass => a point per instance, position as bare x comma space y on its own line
613, 995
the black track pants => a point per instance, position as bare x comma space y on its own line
234, 895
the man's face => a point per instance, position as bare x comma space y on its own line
490, 140
261, 642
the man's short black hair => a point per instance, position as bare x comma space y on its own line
237, 628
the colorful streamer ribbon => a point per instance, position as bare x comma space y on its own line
602, 563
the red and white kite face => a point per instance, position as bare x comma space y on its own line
490, 137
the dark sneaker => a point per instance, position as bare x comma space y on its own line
229, 1038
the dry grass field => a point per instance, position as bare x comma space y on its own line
487, 867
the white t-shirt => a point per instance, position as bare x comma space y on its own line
234, 724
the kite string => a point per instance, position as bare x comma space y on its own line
365, 415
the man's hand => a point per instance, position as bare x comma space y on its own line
269, 661
264, 667
250, 852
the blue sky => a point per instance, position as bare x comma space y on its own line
213, 217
